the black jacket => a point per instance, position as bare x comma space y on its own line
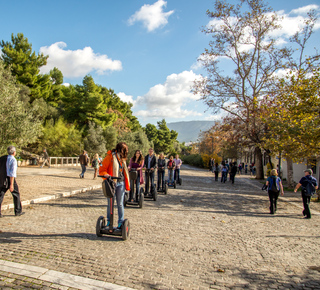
3, 170
161, 163
153, 162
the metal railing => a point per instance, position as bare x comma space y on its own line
64, 161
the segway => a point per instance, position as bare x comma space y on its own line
101, 228
150, 192
129, 197
171, 184
178, 180
164, 185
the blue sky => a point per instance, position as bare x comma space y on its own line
146, 51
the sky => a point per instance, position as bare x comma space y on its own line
146, 51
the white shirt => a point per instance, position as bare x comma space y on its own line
11, 166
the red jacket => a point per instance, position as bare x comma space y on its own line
107, 168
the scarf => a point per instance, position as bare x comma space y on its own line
116, 166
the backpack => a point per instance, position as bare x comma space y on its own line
274, 185
3, 171
309, 190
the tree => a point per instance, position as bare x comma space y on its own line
60, 138
162, 138
25, 65
18, 125
95, 141
292, 114
241, 34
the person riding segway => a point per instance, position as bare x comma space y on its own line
161, 174
178, 163
114, 166
136, 197
171, 165
150, 163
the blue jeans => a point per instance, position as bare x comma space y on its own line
224, 177
161, 178
151, 181
137, 185
170, 175
119, 194
177, 174
83, 168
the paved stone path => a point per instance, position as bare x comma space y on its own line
202, 235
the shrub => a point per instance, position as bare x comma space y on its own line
193, 159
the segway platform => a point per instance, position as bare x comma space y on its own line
129, 197
102, 228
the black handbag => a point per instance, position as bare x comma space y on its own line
108, 187
264, 187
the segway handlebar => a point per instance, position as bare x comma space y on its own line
112, 177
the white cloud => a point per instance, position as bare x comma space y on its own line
77, 63
126, 98
152, 16
66, 84
167, 99
289, 26
304, 9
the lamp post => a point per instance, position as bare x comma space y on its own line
212, 145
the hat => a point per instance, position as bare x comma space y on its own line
309, 171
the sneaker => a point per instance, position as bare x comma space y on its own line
19, 214
108, 224
119, 225
80, 175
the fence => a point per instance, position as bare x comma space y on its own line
64, 161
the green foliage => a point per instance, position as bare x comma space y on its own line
95, 141
162, 137
25, 65
111, 137
193, 159
60, 138
136, 141
18, 125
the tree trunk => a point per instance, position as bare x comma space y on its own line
290, 181
259, 163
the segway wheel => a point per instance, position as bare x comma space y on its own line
141, 198
166, 189
174, 184
155, 195
125, 199
101, 222
125, 229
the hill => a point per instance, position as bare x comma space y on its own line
190, 130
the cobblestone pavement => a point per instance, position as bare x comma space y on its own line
204, 234
35, 182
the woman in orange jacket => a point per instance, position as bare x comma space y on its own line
114, 164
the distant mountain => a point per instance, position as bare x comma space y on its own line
190, 130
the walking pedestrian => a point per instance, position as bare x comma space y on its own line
224, 172
233, 172
114, 164
246, 168
95, 165
308, 186
8, 165
84, 161
46, 158
216, 171
274, 185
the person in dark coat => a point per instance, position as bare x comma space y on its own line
233, 172
305, 198
150, 162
